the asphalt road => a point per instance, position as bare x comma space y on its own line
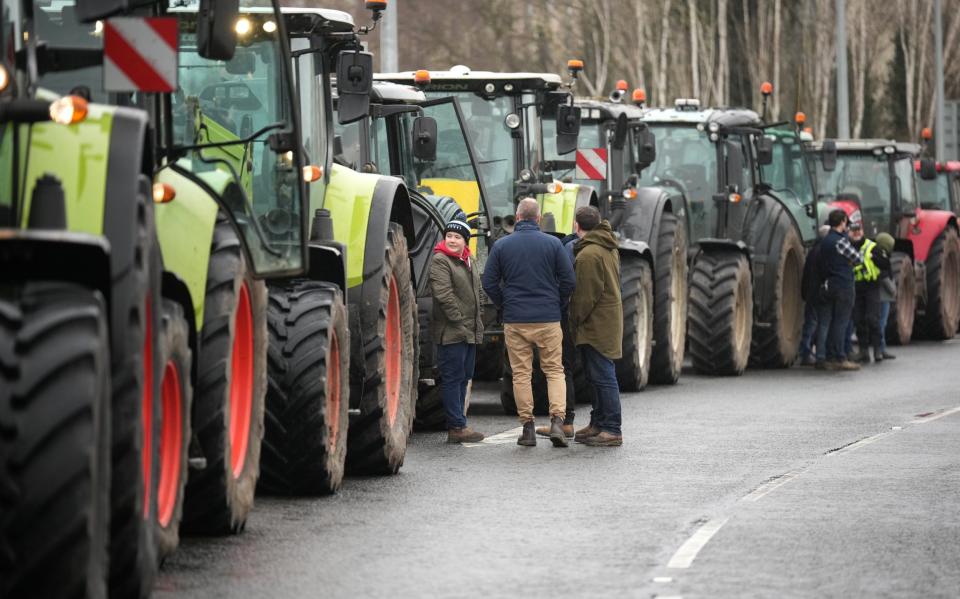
795, 483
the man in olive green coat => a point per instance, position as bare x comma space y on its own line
596, 319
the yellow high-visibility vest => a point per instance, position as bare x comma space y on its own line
868, 271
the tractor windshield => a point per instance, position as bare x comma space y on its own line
242, 106
492, 143
687, 163
790, 179
861, 178
934, 194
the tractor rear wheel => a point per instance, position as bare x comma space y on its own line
176, 392
541, 402
670, 302
54, 441
377, 441
305, 443
942, 314
489, 361
721, 313
900, 323
636, 291
135, 308
777, 343
231, 384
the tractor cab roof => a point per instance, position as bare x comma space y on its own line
387, 92
302, 22
462, 78
873, 146
689, 112
596, 110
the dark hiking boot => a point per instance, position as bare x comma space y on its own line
585, 433
862, 356
877, 355
604, 439
528, 438
544, 431
888, 356
557, 435
463, 435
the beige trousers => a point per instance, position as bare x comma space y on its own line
547, 337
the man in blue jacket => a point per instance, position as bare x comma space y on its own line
836, 261
529, 276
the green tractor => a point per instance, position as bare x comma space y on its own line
424, 143
161, 211
353, 316
746, 194
615, 146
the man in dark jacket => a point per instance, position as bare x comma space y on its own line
836, 260
456, 324
810, 292
529, 276
596, 319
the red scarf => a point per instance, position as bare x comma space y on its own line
464, 256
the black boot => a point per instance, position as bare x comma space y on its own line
528, 437
557, 436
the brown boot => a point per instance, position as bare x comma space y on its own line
544, 431
528, 438
848, 365
604, 439
585, 433
557, 436
463, 435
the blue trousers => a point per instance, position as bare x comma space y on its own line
833, 317
455, 362
809, 335
884, 317
602, 376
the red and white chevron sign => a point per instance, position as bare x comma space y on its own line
140, 54
592, 164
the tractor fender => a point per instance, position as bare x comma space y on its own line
33, 255
929, 225
185, 230
175, 289
766, 225
635, 249
328, 262
709, 245
643, 215
430, 215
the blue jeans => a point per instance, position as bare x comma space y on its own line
809, 334
834, 320
602, 376
884, 317
455, 362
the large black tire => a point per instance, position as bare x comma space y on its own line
54, 442
305, 444
387, 381
779, 316
670, 301
636, 292
135, 308
232, 364
176, 400
942, 311
489, 363
902, 311
721, 313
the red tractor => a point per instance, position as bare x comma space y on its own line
874, 180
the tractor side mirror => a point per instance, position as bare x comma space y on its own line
828, 155
216, 36
354, 83
646, 148
928, 169
764, 150
620, 132
568, 128
425, 138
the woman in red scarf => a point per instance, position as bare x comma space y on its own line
457, 325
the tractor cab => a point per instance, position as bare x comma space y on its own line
516, 123
790, 178
872, 180
938, 185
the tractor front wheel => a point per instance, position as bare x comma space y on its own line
900, 323
670, 302
942, 313
721, 313
636, 291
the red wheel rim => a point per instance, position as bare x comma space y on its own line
241, 382
146, 415
171, 443
393, 338
333, 392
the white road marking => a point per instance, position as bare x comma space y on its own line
861, 443
936, 416
771, 485
498, 439
662, 579
684, 556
